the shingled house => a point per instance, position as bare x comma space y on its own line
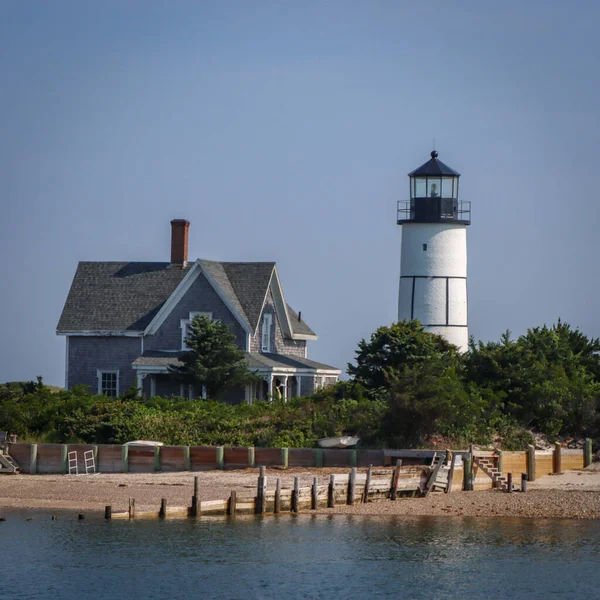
126, 322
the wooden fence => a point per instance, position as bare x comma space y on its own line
53, 458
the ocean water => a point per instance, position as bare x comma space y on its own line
297, 557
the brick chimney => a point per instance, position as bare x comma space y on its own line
179, 242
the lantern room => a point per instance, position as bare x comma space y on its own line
434, 196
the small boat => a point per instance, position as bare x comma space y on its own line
343, 441
143, 443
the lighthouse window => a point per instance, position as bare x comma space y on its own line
424, 247
447, 187
420, 188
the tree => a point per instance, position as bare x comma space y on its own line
213, 359
403, 344
547, 378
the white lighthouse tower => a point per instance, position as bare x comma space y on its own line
433, 264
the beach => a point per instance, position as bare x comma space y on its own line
573, 494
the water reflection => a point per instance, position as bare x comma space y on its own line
302, 556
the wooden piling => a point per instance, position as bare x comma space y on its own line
467, 473
231, 503
284, 457
156, 459
108, 512
124, 459
557, 459
132, 508
251, 457
64, 456
319, 458
220, 457
395, 479
80, 517
509, 483
451, 474
163, 508
353, 458
365, 496
194, 506
187, 461
331, 492
523, 482
277, 502
295, 494
261, 492
351, 486
314, 494
530, 463
500, 461
33, 459
587, 453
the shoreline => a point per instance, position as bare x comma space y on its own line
571, 495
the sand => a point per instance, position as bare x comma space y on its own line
574, 494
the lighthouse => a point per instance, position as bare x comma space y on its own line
433, 260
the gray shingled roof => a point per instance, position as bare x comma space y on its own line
121, 296
117, 296
254, 360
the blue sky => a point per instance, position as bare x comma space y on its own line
284, 131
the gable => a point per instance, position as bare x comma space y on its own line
201, 296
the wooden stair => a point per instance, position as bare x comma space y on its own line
7, 464
494, 474
438, 480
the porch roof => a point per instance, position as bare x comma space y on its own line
160, 360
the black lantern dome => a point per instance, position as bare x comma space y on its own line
434, 196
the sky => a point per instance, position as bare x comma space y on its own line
285, 131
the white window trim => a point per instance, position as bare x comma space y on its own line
184, 323
267, 324
100, 372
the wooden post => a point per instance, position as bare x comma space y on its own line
284, 457
467, 474
96, 466
365, 497
260, 493
319, 457
231, 503
132, 508
33, 459
277, 503
187, 461
108, 513
220, 457
157, 459
194, 507
331, 492
124, 459
64, 463
509, 482
530, 463
314, 499
451, 473
587, 453
523, 482
395, 479
557, 459
351, 486
251, 457
295, 494
163, 508
353, 458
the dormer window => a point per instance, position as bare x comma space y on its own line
185, 326
266, 332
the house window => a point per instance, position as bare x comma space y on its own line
185, 326
108, 383
266, 332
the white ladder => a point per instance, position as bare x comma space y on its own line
73, 468
90, 463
